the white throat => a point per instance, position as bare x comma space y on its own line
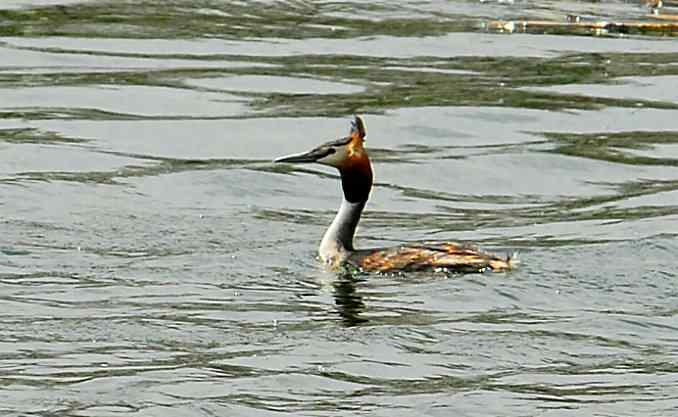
337, 242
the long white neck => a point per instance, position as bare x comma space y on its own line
337, 242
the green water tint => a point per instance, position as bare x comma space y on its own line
35, 136
200, 291
491, 81
290, 19
615, 147
449, 217
229, 20
156, 166
389, 83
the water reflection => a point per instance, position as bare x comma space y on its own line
349, 301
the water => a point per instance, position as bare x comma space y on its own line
153, 261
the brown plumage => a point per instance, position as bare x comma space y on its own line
430, 256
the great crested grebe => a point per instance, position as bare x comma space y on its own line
336, 248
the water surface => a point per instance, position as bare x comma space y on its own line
154, 261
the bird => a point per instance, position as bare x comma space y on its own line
349, 156
654, 6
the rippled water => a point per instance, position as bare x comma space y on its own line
153, 261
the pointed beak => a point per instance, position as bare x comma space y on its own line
311, 156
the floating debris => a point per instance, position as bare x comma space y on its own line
666, 17
573, 18
574, 24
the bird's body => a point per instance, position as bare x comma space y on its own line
336, 248
429, 256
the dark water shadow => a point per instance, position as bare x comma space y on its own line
349, 301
